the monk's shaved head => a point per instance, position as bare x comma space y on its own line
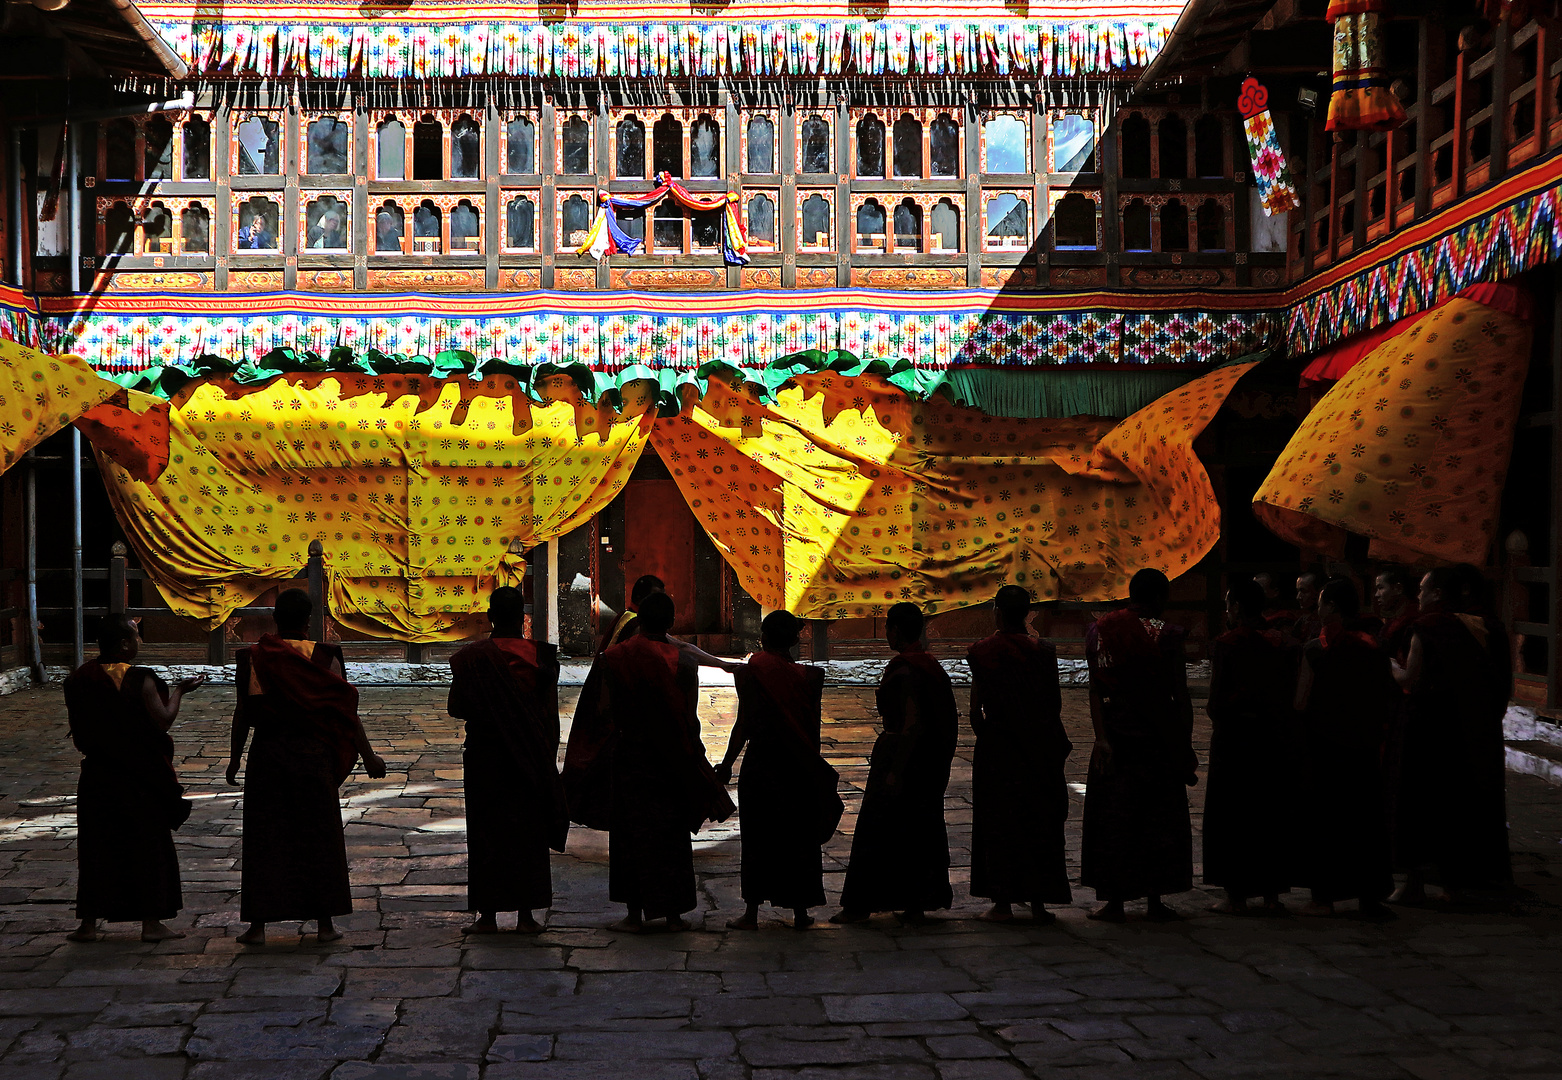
506, 607
292, 612
905, 621
114, 631
1150, 590
780, 630
644, 587
1013, 605
656, 613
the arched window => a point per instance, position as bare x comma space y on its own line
159, 149
428, 150
466, 149
908, 226
1173, 137
427, 233
1212, 226
259, 225
259, 147
1073, 144
761, 148
1074, 222
943, 140
667, 226
119, 230
814, 141
520, 224
631, 148
157, 230
667, 146
871, 225
390, 140
631, 220
575, 147
520, 146
816, 224
908, 146
1209, 151
328, 146
326, 224
390, 227
1008, 223
197, 149
465, 229
945, 227
575, 220
1003, 143
705, 230
1136, 226
1174, 226
195, 230
870, 146
705, 147
119, 156
1135, 131
761, 222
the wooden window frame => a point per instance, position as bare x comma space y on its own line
774, 195
887, 201
241, 200
854, 119
924, 117
478, 117
803, 195
508, 195
1024, 195
238, 118
614, 117
374, 121
561, 196
342, 195
178, 119
1025, 117
800, 116
1057, 195
1092, 114
376, 203
562, 117
774, 116
505, 118
928, 201
305, 120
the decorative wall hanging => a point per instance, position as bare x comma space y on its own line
1270, 172
1360, 99
606, 238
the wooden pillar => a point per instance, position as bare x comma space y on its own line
1554, 542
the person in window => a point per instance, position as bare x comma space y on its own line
387, 234
254, 235
328, 232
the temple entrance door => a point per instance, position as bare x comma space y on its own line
660, 537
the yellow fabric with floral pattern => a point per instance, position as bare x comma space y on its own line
845, 496
420, 491
40, 394
1411, 447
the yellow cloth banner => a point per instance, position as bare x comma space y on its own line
844, 496
1411, 447
417, 488
40, 394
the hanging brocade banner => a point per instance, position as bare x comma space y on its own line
1360, 99
1270, 171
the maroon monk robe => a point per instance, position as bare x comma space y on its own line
128, 800
1249, 846
900, 849
507, 691
1019, 800
1138, 836
663, 786
1393, 636
294, 852
1342, 818
779, 787
588, 757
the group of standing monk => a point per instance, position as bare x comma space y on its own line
1332, 759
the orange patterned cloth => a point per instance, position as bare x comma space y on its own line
132, 428
1410, 448
40, 394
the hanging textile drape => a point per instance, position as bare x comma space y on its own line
132, 428
1270, 172
420, 491
1359, 97
606, 238
1411, 446
40, 394
843, 496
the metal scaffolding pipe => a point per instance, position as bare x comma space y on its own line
34, 642
16, 210
73, 174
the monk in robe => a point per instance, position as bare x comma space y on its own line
1344, 694
1248, 848
1019, 800
1138, 836
663, 787
900, 850
1394, 591
293, 692
128, 801
1448, 805
781, 786
1308, 622
506, 688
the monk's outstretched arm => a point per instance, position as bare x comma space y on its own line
373, 764
735, 744
704, 658
163, 713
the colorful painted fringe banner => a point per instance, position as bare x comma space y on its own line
375, 50
607, 238
1270, 172
1359, 98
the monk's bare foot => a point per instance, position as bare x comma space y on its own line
628, 926
1159, 912
675, 924
848, 918
255, 935
743, 922
485, 924
801, 920
1313, 909
1112, 912
998, 913
1229, 907
528, 925
156, 931
86, 933
1408, 895
326, 935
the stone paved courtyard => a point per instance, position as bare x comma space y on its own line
1435, 996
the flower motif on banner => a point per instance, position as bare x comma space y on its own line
1270, 172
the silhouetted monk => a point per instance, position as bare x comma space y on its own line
1308, 622
900, 850
1019, 800
507, 690
129, 800
1395, 593
1344, 694
1448, 800
782, 786
1138, 838
663, 785
1248, 846
294, 693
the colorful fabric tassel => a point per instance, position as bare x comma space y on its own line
1270, 171
1360, 99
